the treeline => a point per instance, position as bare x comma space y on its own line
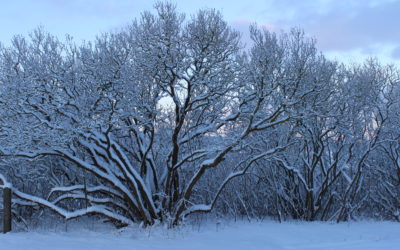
172, 116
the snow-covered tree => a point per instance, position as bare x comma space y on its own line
153, 122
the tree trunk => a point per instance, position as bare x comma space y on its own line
7, 210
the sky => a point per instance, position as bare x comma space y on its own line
345, 30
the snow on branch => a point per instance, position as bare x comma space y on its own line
97, 209
4, 183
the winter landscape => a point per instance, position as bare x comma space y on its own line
182, 130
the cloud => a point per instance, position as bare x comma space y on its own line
366, 26
339, 26
396, 53
359, 27
243, 25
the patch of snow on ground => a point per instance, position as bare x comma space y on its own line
225, 236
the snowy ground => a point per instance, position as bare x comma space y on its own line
210, 236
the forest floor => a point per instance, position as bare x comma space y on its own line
226, 235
